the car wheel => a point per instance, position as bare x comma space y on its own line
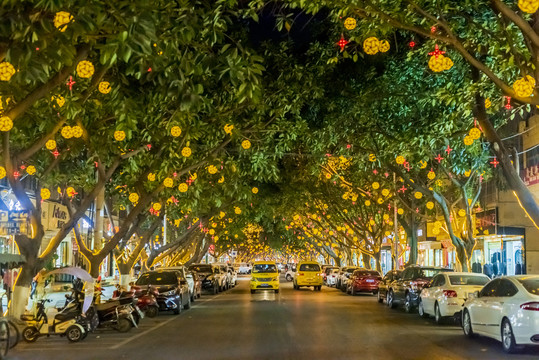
508, 338
288, 277
437, 315
74, 333
408, 307
467, 324
421, 309
379, 298
188, 305
390, 299
253, 291
276, 291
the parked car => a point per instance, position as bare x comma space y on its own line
172, 287
327, 270
344, 275
363, 280
233, 276
209, 275
506, 309
198, 284
264, 276
384, 284
308, 274
242, 268
445, 295
331, 279
289, 275
186, 275
226, 277
407, 288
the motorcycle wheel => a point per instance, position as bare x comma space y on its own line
30, 334
123, 325
152, 311
74, 333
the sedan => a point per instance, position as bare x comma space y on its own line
364, 281
445, 295
506, 309
385, 283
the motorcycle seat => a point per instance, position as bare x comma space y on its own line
106, 306
64, 316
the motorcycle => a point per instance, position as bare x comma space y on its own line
120, 314
69, 321
146, 300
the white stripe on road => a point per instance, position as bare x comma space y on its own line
127, 341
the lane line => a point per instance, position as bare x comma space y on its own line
127, 341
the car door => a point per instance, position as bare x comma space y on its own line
400, 285
480, 307
428, 295
494, 306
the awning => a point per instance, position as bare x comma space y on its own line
12, 260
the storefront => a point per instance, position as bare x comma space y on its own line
54, 216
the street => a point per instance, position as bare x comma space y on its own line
290, 325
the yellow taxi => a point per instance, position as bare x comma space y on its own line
308, 273
264, 276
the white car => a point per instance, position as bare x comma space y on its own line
445, 295
506, 309
331, 279
289, 276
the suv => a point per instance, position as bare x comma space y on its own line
264, 276
186, 275
407, 288
210, 276
172, 287
308, 274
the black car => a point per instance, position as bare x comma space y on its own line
172, 287
384, 284
209, 276
407, 288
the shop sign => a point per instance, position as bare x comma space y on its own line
14, 222
486, 220
530, 175
58, 216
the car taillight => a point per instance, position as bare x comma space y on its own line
533, 306
450, 293
301, 274
319, 274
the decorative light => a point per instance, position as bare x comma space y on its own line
133, 197
342, 42
431, 175
367, 203
6, 123
418, 195
474, 133
119, 135
400, 211
70, 191
183, 187
372, 157
375, 185
175, 131
448, 150
495, 162
412, 44
228, 129
488, 103
385, 192
45, 194
76, 131
212, 169
371, 45
462, 213
104, 87
246, 144
61, 19
151, 177
384, 46
31, 170
439, 158
186, 151
524, 87
400, 160
350, 23
66, 132
468, 140
156, 206
529, 6
70, 83
3, 172
237, 210
59, 99
430, 205
168, 182
254, 190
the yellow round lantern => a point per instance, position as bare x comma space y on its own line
372, 157
76, 131
384, 46
474, 133
221, 180
85, 69
375, 185
400, 160
66, 132
430, 205
133, 197
168, 182
6, 71
186, 151
59, 99
119, 135
50, 145
488, 103
371, 45
386, 217
462, 213
418, 195
350, 23
468, 140
45, 194
431, 175
3, 172
175, 131
183, 187
254, 190
525, 86
151, 177
156, 206
237, 210
529, 6
422, 164
61, 19
467, 173
439, 183
440, 63
400, 211
70, 191
212, 169
6, 123
228, 129
104, 87
31, 170
246, 144
385, 192
447, 63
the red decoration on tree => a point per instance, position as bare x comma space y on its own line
412, 44
375, 171
406, 165
437, 52
439, 158
149, 69
448, 150
495, 162
16, 174
70, 83
342, 42
56, 153
403, 189
508, 105
433, 29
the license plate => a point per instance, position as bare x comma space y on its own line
370, 280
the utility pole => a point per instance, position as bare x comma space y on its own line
396, 227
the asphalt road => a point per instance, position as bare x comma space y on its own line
290, 325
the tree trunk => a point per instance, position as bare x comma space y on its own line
125, 273
366, 261
29, 248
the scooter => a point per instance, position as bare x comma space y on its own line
119, 314
146, 300
69, 322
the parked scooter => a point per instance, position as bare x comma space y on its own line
146, 300
118, 314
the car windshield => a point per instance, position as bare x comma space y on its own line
468, 280
367, 273
350, 270
531, 285
201, 268
264, 268
309, 267
428, 273
157, 278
